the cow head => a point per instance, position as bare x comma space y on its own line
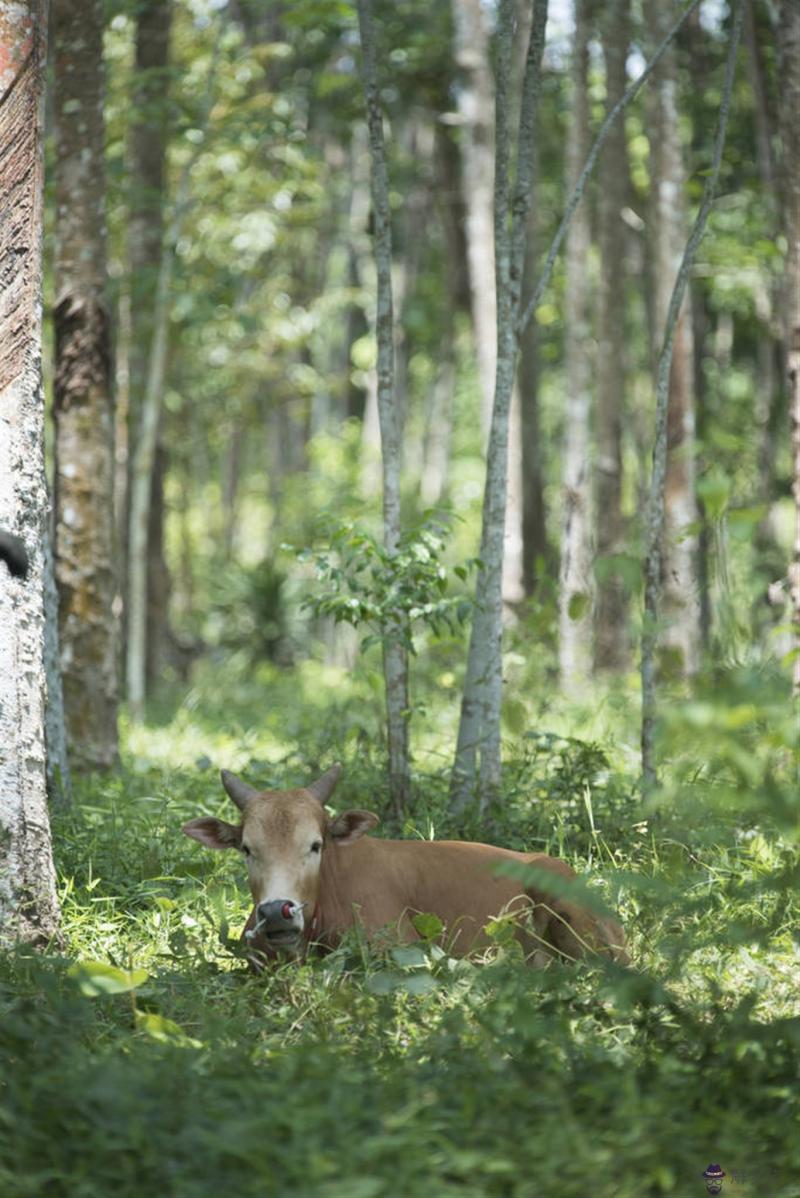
283, 837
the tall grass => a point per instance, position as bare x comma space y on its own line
140, 1057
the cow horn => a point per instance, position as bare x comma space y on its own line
323, 788
238, 790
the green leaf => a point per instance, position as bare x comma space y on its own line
409, 957
96, 978
430, 927
578, 605
160, 1028
714, 489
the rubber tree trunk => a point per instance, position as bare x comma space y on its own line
535, 549
28, 902
475, 98
612, 644
575, 597
59, 774
395, 656
83, 404
681, 608
654, 528
145, 453
147, 203
789, 35
479, 726
476, 114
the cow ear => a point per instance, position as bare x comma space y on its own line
214, 833
351, 825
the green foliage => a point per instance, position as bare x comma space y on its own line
147, 1059
389, 593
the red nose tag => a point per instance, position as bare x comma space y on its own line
287, 910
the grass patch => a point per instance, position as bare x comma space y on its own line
383, 1072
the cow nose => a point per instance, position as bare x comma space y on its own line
280, 915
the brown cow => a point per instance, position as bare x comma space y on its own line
313, 877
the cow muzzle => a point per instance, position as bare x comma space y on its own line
280, 922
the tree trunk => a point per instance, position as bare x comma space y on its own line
28, 902
395, 657
59, 775
535, 549
147, 155
575, 582
438, 429
654, 528
476, 113
479, 726
612, 643
145, 454
681, 609
789, 36
83, 405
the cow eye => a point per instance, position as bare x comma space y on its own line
316, 846
246, 850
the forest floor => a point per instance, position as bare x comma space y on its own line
140, 1057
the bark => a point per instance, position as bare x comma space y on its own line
789, 36
148, 197
656, 514
535, 549
83, 405
575, 596
479, 726
476, 110
28, 902
681, 609
438, 432
612, 647
144, 460
59, 775
395, 657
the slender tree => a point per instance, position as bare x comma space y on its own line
479, 727
681, 610
147, 154
656, 513
789, 36
612, 647
576, 589
28, 902
395, 658
83, 406
535, 548
144, 458
475, 95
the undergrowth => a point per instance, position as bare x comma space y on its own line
140, 1057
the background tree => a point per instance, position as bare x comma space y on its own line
576, 590
83, 406
28, 903
790, 137
147, 148
479, 726
612, 638
656, 512
395, 656
681, 633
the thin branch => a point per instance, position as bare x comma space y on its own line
580, 186
655, 520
